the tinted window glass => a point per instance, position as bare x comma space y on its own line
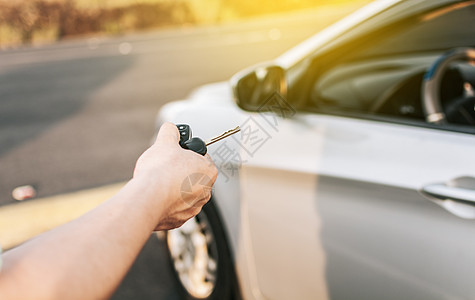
446, 28
384, 76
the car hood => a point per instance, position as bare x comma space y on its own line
208, 103
214, 92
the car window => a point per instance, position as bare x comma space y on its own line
383, 76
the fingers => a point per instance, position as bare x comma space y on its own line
168, 134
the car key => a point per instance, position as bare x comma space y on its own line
198, 145
223, 136
185, 133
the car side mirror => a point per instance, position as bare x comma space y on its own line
253, 86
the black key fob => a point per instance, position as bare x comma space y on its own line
197, 145
185, 133
186, 142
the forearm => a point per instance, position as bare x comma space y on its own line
87, 258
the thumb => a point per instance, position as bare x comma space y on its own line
168, 134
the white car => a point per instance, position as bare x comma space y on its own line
353, 176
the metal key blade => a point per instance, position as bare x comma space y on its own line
223, 136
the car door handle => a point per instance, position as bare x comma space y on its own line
443, 192
456, 196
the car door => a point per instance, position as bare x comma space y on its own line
382, 238
345, 219
333, 202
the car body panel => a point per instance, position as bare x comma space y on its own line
381, 238
331, 206
347, 174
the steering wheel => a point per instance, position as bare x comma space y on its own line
460, 110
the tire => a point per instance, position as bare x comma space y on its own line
200, 258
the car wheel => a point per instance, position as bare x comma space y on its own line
200, 258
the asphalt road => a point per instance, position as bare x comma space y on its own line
77, 114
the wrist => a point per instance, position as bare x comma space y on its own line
151, 194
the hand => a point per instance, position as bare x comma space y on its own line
183, 176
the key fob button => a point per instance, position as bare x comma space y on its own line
195, 144
185, 133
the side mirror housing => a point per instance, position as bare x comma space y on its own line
253, 86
